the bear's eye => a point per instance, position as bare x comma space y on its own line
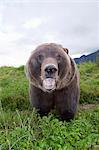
40, 58
59, 58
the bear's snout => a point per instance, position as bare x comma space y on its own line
49, 74
50, 71
49, 68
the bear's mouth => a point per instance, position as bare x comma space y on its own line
49, 84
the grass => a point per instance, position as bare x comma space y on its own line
89, 83
21, 128
25, 130
14, 86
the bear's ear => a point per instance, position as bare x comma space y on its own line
66, 50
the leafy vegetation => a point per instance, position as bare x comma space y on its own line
21, 128
14, 86
89, 82
25, 130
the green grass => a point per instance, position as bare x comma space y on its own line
89, 83
26, 131
14, 86
21, 128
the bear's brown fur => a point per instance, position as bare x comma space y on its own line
53, 80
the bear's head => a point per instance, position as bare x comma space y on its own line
48, 66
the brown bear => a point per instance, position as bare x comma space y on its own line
53, 80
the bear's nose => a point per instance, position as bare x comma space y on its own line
49, 70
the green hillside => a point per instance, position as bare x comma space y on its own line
14, 86
21, 128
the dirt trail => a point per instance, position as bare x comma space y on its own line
88, 106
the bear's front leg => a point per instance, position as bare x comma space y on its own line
67, 115
42, 101
67, 102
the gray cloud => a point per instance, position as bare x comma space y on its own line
25, 24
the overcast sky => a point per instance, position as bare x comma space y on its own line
24, 24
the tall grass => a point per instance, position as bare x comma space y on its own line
89, 82
27, 131
21, 128
14, 86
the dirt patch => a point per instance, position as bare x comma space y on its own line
88, 106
